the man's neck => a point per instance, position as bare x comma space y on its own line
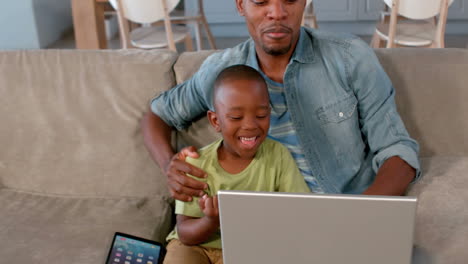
273, 66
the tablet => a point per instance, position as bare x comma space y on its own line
128, 249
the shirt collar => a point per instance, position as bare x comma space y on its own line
304, 52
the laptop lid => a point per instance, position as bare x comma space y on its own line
269, 228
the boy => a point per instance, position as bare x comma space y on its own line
244, 159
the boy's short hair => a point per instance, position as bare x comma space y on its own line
235, 72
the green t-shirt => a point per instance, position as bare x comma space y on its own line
272, 170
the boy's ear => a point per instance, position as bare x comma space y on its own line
214, 121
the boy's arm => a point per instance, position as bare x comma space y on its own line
194, 231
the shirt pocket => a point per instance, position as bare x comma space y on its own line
339, 124
338, 111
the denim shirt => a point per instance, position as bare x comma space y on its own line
340, 99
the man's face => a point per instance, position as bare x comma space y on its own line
274, 25
242, 116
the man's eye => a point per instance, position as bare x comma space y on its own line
259, 3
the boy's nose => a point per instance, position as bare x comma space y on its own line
249, 123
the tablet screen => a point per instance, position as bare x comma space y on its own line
127, 249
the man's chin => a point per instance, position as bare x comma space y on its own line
276, 51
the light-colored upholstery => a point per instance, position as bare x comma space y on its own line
74, 169
74, 117
431, 93
73, 166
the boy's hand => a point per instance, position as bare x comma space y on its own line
180, 185
209, 206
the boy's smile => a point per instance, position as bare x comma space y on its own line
249, 141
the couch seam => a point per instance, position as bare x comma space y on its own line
69, 196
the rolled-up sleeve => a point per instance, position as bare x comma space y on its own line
380, 122
183, 103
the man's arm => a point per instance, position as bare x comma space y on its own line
393, 178
157, 138
396, 153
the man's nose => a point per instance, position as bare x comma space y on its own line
277, 10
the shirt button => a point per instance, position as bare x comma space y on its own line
341, 114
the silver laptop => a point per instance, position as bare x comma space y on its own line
283, 228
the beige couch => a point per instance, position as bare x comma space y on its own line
74, 169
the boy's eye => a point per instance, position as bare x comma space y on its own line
261, 116
235, 117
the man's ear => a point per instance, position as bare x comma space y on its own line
214, 121
240, 7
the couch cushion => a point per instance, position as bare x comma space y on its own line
70, 120
431, 91
200, 133
65, 229
442, 215
188, 63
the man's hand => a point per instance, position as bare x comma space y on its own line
180, 185
209, 206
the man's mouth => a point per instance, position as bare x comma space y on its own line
277, 32
276, 35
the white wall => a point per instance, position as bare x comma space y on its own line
53, 18
17, 25
33, 24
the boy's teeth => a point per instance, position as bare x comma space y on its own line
248, 141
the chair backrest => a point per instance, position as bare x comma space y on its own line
418, 9
144, 11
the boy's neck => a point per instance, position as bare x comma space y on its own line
231, 164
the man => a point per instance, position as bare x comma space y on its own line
332, 106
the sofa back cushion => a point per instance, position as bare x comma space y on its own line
200, 133
431, 88
431, 91
70, 121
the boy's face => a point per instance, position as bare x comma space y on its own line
242, 116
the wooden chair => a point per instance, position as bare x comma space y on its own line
197, 19
156, 29
412, 23
309, 19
